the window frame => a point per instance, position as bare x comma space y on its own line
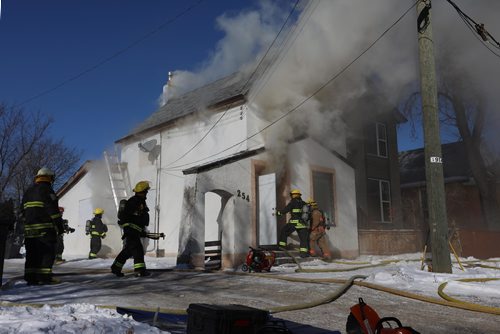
332, 173
381, 140
382, 201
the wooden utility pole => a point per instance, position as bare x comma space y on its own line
438, 225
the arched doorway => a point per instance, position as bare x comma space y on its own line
214, 204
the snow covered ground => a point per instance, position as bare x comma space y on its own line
59, 313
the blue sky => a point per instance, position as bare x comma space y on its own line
45, 43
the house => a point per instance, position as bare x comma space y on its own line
468, 231
228, 186
373, 150
223, 157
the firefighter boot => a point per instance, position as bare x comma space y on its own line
142, 273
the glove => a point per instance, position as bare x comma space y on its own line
59, 228
71, 230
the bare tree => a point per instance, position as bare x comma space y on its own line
25, 146
463, 114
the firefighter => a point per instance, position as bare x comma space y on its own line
97, 231
296, 207
60, 238
42, 224
134, 220
7, 220
317, 233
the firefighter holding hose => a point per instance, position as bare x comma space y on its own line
134, 218
296, 207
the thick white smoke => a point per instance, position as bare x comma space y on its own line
330, 35
246, 35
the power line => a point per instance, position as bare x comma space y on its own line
334, 77
114, 55
478, 29
241, 90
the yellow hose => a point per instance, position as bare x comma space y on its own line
451, 302
469, 306
482, 308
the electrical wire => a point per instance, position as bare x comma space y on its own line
478, 30
114, 55
242, 90
286, 114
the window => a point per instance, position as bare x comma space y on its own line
381, 140
376, 139
323, 193
379, 200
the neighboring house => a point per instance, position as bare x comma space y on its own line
373, 150
462, 202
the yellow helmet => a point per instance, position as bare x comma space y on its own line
98, 211
295, 193
141, 186
44, 174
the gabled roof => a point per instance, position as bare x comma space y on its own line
455, 165
73, 180
213, 95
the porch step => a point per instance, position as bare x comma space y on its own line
282, 257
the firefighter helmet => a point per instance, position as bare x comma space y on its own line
98, 211
295, 193
141, 186
312, 203
44, 174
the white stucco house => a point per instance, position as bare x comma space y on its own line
221, 158
212, 178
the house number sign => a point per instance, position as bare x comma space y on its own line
437, 160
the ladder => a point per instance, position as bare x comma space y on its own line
118, 177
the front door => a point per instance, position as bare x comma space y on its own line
267, 227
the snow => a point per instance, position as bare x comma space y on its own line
66, 317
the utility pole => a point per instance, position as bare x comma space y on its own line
438, 224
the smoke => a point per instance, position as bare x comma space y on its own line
101, 197
469, 67
330, 34
245, 35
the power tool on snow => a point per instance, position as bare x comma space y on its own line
364, 320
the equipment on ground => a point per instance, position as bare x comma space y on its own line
364, 320
225, 319
258, 260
